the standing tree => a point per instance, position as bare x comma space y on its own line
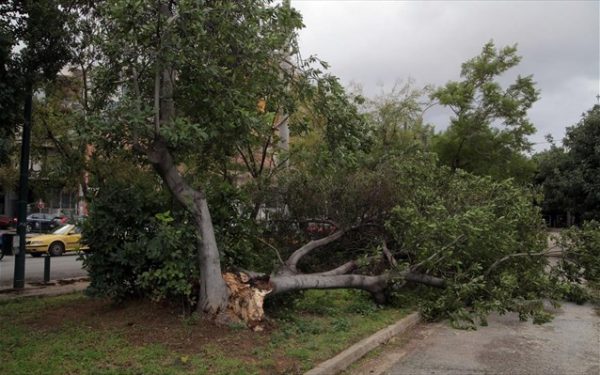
489, 130
188, 77
569, 175
37, 27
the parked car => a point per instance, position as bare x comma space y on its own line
40, 222
65, 238
7, 221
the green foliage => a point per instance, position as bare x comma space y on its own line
489, 130
136, 249
34, 46
344, 129
570, 175
396, 117
144, 244
482, 236
553, 175
237, 233
227, 56
581, 253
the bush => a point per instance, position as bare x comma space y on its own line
137, 249
144, 244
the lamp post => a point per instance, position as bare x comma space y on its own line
19, 274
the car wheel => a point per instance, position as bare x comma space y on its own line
56, 249
36, 255
28, 228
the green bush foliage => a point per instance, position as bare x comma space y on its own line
136, 247
581, 253
483, 236
143, 244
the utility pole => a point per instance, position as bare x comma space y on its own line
19, 274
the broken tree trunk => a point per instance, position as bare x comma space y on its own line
247, 289
246, 298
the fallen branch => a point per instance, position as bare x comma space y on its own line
388, 255
274, 249
516, 255
431, 257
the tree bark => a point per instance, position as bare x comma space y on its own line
213, 293
292, 262
288, 283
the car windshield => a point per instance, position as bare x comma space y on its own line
65, 229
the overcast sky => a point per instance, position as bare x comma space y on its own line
376, 43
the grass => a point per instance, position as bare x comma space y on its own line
73, 334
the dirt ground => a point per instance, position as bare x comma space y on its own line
184, 334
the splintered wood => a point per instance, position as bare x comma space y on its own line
246, 298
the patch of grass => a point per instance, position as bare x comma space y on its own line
23, 308
73, 334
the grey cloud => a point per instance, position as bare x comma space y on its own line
374, 42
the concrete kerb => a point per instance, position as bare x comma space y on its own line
344, 359
52, 288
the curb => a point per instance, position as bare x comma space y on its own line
53, 288
344, 359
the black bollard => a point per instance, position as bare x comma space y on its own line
47, 268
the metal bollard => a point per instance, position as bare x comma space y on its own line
47, 268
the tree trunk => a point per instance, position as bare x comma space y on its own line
213, 290
213, 293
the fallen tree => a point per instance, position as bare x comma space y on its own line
176, 94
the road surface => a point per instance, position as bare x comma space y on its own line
63, 267
569, 345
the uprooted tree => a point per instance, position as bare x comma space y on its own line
177, 85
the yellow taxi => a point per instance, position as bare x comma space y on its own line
65, 238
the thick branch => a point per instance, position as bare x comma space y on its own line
292, 261
373, 284
346, 267
422, 278
341, 270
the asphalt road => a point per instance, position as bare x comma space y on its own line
569, 345
63, 267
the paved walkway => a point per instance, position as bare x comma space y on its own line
568, 345
63, 267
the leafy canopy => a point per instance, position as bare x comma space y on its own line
570, 175
488, 132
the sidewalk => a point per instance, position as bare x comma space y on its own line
570, 344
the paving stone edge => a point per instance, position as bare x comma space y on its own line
347, 357
53, 288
